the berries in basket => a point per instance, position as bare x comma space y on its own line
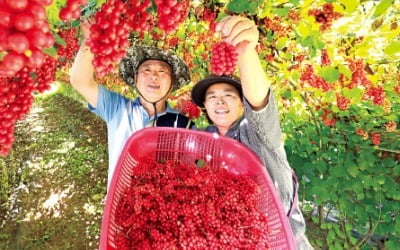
183, 189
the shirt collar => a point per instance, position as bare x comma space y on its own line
169, 109
233, 131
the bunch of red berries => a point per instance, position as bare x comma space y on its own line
376, 94
326, 16
190, 109
24, 32
210, 16
71, 47
223, 58
15, 101
328, 118
109, 36
325, 60
358, 77
72, 10
46, 74
376, 138
139, 19
275, 25
176, 206
171, 13
391, 126
342, 102
315, 81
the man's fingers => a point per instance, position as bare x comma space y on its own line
239, 31
226, 25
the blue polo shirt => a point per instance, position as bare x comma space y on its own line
124, 117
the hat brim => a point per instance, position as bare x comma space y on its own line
199, 90
129, 65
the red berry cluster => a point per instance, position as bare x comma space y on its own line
315, 81
176, 206
325, 60
210, 16
391, 126
397, 89
362, 133
139, 19
109, 36
276, 26
171, 13
358, 76
328, 119
46, 74
15, 101
68, 51
376, 138
294, 16
24, 32
342, 102
190, 109
223, 58
326, 16
72, 10
376, 94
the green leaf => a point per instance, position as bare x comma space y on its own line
350, 5
181, 34
337, 171
354, 93
345, 71
382, 7
330, 74
59, 40
50, 51
200, 163
281, 11
317, 42
253, 7
380, 179
321, 193
351, 166
99, 2
392, 48
281, 42
304, 29
238, 6
295, 75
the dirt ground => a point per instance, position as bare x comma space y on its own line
56, 178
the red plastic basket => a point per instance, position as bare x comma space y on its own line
188, 146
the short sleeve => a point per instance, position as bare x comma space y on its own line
108, 104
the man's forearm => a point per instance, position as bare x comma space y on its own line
82, 77
82, 70
254, 80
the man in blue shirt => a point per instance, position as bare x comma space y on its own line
154, 73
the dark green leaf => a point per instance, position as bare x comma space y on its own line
253, 7
59, 40
238, 6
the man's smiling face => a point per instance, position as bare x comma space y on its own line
154, 79
223, 104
